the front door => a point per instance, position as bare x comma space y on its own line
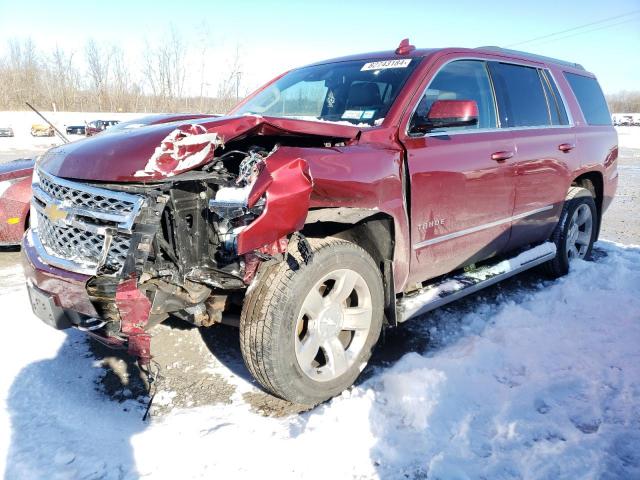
461, 182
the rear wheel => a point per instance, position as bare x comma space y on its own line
576, 231
307, 331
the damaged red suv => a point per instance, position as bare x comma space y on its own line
341, 197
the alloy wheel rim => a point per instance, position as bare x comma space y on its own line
333, 325
579, 233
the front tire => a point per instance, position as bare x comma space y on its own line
307, 330
575, 233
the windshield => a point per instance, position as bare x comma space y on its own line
357, 92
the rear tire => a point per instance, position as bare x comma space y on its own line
307, 330
575, 233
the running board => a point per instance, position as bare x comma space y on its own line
453, 288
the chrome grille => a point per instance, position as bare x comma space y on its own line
81, 246
81, 198
80, 227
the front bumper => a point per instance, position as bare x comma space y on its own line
60, 299
67, 289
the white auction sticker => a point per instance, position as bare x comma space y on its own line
352, 114
382, 64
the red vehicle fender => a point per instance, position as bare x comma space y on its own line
287, 184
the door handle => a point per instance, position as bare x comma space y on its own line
566, 147
501, 156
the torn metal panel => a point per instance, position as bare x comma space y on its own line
183, 149
134, 308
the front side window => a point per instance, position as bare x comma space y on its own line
461, 80
520, 94
358, 92
591, 99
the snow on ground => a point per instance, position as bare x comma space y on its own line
542, 382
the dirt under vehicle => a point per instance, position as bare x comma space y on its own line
339, 198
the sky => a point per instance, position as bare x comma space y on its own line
273, 36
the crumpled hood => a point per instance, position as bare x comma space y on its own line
131, 155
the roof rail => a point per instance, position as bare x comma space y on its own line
532, 56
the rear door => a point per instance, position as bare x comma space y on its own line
532, 109
461, 199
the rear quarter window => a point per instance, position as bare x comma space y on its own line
590, 98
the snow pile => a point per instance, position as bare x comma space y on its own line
541, 382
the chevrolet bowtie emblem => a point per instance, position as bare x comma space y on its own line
54, 213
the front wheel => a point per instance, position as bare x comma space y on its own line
576, 231
307, 331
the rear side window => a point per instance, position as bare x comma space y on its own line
591, 99
521, 97
462, 80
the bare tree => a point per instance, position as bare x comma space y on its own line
229, 87
98, 64
624, 102
62, 79
101, 77
20, 74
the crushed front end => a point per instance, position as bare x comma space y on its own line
115, 259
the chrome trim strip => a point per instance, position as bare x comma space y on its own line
487, 130
478, 228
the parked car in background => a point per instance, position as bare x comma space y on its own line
75, 129
96, 126
340, 197
6, 132
15, 195
15, 182
42, 130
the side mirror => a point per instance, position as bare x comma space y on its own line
448, 113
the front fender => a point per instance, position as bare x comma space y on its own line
287, 184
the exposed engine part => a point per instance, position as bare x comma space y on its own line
231, 204
250, 167
168, 297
